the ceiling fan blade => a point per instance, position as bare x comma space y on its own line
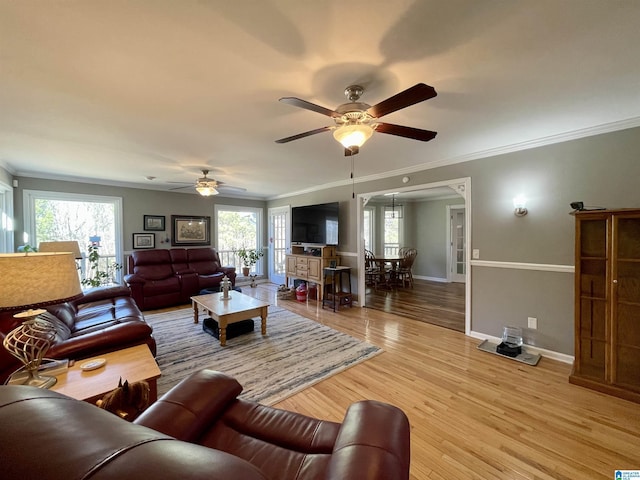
297, 102
416, 94
408, 132
230, 189
305, 134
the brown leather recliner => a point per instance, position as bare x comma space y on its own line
103, 319
207, 432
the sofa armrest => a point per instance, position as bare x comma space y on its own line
228, 270
191, 406
102, 293
373, 443
114, 337
132, 278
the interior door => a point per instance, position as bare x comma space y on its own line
456, 256
279, 242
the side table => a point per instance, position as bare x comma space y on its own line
133, 364
337, 284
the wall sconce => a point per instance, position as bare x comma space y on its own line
520, 206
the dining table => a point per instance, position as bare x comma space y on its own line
392, 262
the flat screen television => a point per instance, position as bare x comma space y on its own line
315, 224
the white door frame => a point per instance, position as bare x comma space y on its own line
286, 211
462, 186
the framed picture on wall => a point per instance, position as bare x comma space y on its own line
144, 240
154, 222
190, 230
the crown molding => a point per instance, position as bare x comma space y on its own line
482, 154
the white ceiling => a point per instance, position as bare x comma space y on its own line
118, 90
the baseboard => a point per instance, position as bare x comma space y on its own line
561, 357
431, 279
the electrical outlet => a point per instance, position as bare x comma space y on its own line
532, 322
475, 253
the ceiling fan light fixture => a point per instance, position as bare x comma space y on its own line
353, 135
206, 189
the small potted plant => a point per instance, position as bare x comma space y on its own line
95, 276
249, 258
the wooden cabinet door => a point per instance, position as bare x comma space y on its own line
315, 269
291, 265
625, 346
592, 295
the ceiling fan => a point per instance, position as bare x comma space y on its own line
206, 186
355, 121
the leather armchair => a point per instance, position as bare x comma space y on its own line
199, 429
371, 443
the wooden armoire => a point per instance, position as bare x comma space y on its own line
607, 302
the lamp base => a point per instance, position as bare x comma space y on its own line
23, 377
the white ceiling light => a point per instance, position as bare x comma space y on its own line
353, 136
206, 188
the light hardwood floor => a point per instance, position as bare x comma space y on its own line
438, 303
473, 415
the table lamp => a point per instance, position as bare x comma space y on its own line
29, 281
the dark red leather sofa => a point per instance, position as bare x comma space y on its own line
103, 320
163, 278
199, 429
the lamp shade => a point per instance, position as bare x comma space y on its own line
353, 135
63, 246
34, 279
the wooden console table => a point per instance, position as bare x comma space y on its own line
301, 264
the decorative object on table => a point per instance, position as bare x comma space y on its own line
144, 240
127, 400
31, 280
226, 286
190, 230
98, 273
249, 257
154, 223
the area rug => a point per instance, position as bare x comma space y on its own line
295, 354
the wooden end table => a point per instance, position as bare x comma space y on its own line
237, 308
133, 364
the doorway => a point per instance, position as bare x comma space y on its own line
279, 227
434, 289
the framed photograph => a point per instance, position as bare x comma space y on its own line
333, 264
144, 240
154, 222
190, 230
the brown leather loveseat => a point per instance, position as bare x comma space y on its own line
166, 277
199, 429
103, 320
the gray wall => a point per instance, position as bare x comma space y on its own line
601, 170
135, 204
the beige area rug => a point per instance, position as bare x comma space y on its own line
295, 354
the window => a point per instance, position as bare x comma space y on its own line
238, 227
6, 218
53, 216
392, 233
368, 227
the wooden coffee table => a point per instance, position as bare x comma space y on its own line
238, 307
133, 364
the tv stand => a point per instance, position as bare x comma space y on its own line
301, 264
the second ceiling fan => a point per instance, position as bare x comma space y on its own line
355, 122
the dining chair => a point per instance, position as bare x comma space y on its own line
404, 273
372, 271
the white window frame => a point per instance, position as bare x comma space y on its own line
6, 218
29, 198
259, 268
372, 228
